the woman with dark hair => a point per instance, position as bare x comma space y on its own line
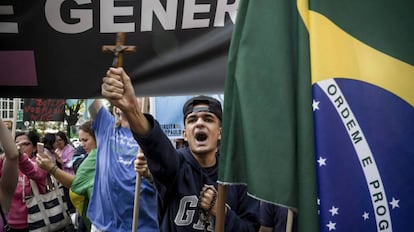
28, 170
81, 184
49, 141
64, 151
88, 144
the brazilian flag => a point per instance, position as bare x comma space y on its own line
319, 111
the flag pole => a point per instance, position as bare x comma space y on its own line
16, 101
289, 221
144, 108
136, 202
221, 208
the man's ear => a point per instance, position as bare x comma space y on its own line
184, 135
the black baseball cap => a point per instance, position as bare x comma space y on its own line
214, 106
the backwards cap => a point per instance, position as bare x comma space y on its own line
214, 106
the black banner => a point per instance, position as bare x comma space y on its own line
43, 109
53, 48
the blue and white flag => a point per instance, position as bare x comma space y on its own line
365, 157
363, 104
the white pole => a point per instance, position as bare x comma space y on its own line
144, 108
16, 101
136, 203
289, 221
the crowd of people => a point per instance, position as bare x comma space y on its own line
178, 185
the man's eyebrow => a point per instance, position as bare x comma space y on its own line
204, 113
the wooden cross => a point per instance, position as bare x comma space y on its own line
118, 49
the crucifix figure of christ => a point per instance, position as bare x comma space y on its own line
118, 49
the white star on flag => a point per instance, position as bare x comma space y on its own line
365, 216
334, 210
394, 203
331, 226
315, 105
321, 161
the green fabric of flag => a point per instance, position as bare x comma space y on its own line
82, 186
267, 139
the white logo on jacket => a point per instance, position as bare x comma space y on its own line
187, 211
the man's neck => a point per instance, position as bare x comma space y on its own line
206, 160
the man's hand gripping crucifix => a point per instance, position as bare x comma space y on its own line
118, 89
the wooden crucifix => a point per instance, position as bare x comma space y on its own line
118, 49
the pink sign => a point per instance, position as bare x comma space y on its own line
18, 68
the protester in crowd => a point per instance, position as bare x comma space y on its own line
88, 143
274, 218
64, 151
79, 155
84, 165
186, 179
80, 184
9, 171
111, 206
28, 169
180, 143
49, 141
